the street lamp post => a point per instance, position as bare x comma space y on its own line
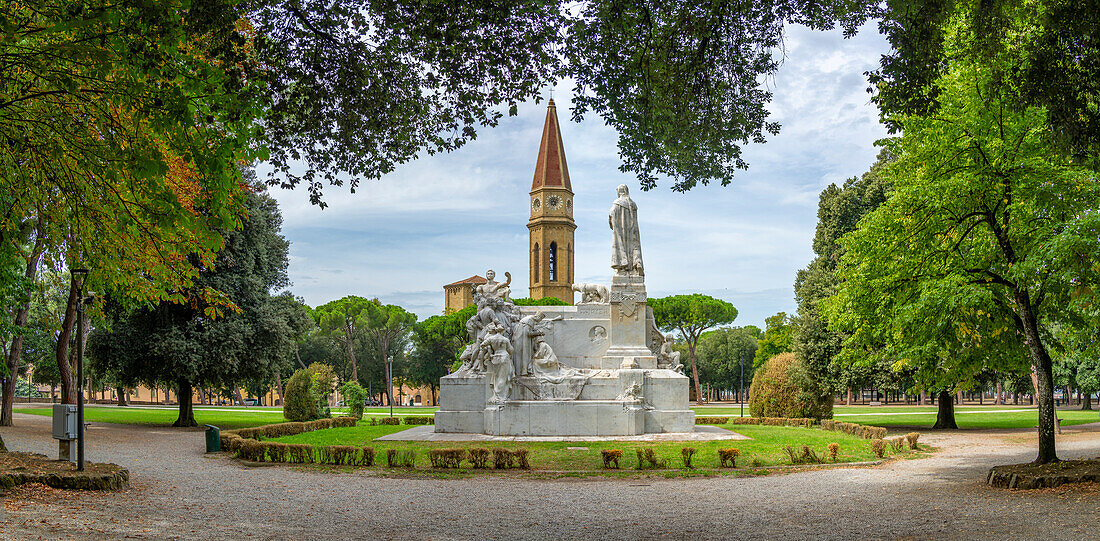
79, 275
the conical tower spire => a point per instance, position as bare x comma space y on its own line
551, 224
551, 169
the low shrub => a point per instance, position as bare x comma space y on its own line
503, 458
897, 444
828, 424
446, 458
611, 458
728, 457
389, 421
685, 456
803, 422
366, 456
756, 462
354, 396
711, 420
804, 456
400, 458
647, 459
834, 448
912, 438
479, 458
775, 421
783, 387
878, 447
413, 420
299, 403
522, 459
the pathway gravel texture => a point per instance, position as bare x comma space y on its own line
181, 493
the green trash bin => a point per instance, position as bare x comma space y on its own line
213, 439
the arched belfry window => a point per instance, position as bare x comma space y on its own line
552, 259
536, 265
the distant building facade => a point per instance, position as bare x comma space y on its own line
460, 294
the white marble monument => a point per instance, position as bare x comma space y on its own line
601, 368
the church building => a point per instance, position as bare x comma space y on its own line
551, 225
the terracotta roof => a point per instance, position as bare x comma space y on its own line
550, 169
475, 279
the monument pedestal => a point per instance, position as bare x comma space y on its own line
627, 348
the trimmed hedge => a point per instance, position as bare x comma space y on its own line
279, 430
447, 458
862, 431
248, 444
711, 420
414, 420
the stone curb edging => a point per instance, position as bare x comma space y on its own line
119, 480
1003, 479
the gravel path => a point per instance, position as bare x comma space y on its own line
181, 493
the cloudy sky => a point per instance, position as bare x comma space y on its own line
446, 217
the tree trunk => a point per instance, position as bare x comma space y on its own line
9, 397
945, 415
297, 355
187, 412
279, 386
348, 335
923, 398
1043, 374
1000, 398
849, 401
694, 370
237, 394
121, 396
1086, 401
15, 354
68, 380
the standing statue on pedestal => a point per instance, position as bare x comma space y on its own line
497, 349
626, 246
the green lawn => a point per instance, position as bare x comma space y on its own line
765, 449
970, 417
925, 416
221, 416
166, 416
889, 416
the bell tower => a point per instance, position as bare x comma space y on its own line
550, 252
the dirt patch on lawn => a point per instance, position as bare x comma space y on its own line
1032, 476
19, 468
